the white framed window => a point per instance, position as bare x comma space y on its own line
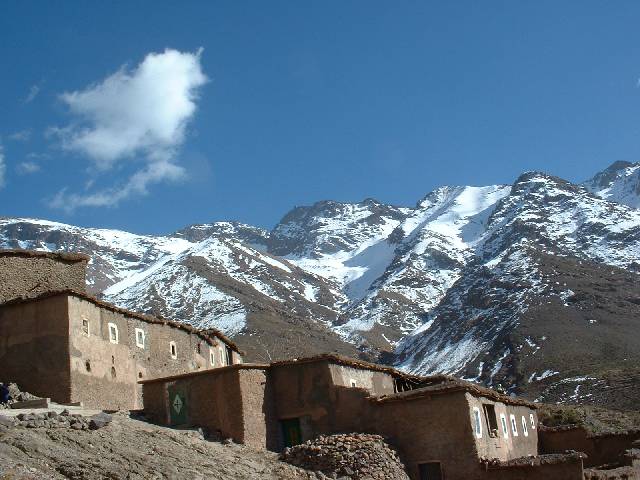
477, 422
85, 327
222, 356
173, 350
525, 430
113, 333
505, 427
514, 425
533, 421
140, 337
212, 357
353, 383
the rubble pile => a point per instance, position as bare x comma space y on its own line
10, 393
54, 420
352, 456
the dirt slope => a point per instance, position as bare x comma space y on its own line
131, 449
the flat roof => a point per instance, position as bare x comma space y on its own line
443, 384
209, 371
348, 362
62, 256
205, 334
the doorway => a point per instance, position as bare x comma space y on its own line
291, 432
430, 471
177, 406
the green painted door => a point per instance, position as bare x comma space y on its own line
177, 406
291, 432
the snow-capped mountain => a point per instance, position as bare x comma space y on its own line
479, 281
619, 183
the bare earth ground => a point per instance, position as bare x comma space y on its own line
132, 449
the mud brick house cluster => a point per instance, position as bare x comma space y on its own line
444, 427
61, 343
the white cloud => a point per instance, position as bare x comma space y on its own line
21, 136
26, 168
137, 115
33, 93
3, 167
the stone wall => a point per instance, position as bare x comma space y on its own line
29, 274
544, 467
376, 383
600, 449
34, 347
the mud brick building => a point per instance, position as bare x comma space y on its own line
60, 343
443, 427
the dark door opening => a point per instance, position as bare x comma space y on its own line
430, 471
229, 355
291, 432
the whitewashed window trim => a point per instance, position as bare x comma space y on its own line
140, 337
505, 427
212, 357
533, 422
353, 382
85, 323
514, 425
114, 336
477, 422
173, 350
525, 430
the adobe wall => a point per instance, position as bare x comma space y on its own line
600, 449
34, 347
260, 426
106, 375
569, 469
434, 429
29, 274
231, 401
377, 383
510, 446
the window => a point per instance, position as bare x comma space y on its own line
477, 422
353, 382
492, 420
113, 333
514, 426
212, 356
85, 327
229, 355
140, 337
222, 356
198, 349
533, 422
524, 427
505, 428
173, 350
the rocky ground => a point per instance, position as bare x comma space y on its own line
132, 449
354, 455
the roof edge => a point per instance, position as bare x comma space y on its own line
208, 371
71, 257
153, 319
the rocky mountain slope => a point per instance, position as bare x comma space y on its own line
486, 282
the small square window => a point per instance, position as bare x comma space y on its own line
140, 337
85, 327
353, 382
173, 350
212, 357
113, 333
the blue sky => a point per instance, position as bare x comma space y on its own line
292, 102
